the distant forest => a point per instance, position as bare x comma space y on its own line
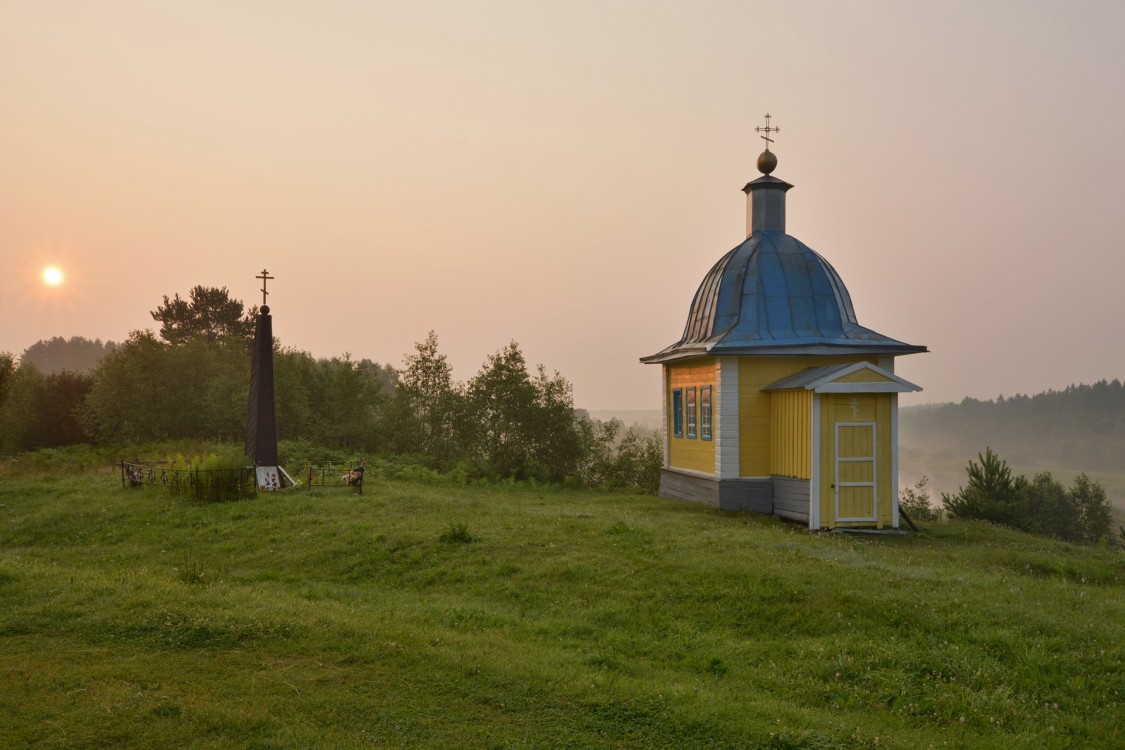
190, 382
75, 354
1080, 428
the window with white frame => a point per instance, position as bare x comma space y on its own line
705, 412
691, 413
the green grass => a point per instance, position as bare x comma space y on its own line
422, 615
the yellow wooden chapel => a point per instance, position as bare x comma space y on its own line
775, 399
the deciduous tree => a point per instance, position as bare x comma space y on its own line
1094, 509
146, 390
519, 425
500, 399
7, 369
429, 399
1050, 510
43, 411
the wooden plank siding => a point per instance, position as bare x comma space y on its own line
791, 439
728, 494
681, 486
755, 407
763, 447
746, 494
695, 454
791, 498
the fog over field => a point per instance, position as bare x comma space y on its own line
939, 440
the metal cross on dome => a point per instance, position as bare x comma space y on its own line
264, 277
767, 130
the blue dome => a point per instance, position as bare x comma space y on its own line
774, 295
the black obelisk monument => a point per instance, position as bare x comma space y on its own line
261, 422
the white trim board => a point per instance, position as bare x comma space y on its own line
894, 461
823, 380
814, 480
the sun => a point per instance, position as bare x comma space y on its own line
53, 276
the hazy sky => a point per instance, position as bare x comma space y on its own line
564, 174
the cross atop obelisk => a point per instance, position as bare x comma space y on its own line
767, 130
265, 276
261, 421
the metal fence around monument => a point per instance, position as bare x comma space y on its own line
333, 475
209, 485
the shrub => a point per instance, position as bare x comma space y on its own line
457, 533
631, 460
916, 501
218, 476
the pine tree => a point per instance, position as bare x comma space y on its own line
207, 313
992, 493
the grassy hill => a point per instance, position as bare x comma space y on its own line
532, 617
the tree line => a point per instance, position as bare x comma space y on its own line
190, 380
1081, 426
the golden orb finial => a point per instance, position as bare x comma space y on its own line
767, 162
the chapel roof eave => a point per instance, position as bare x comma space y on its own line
676, 352
875, 346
